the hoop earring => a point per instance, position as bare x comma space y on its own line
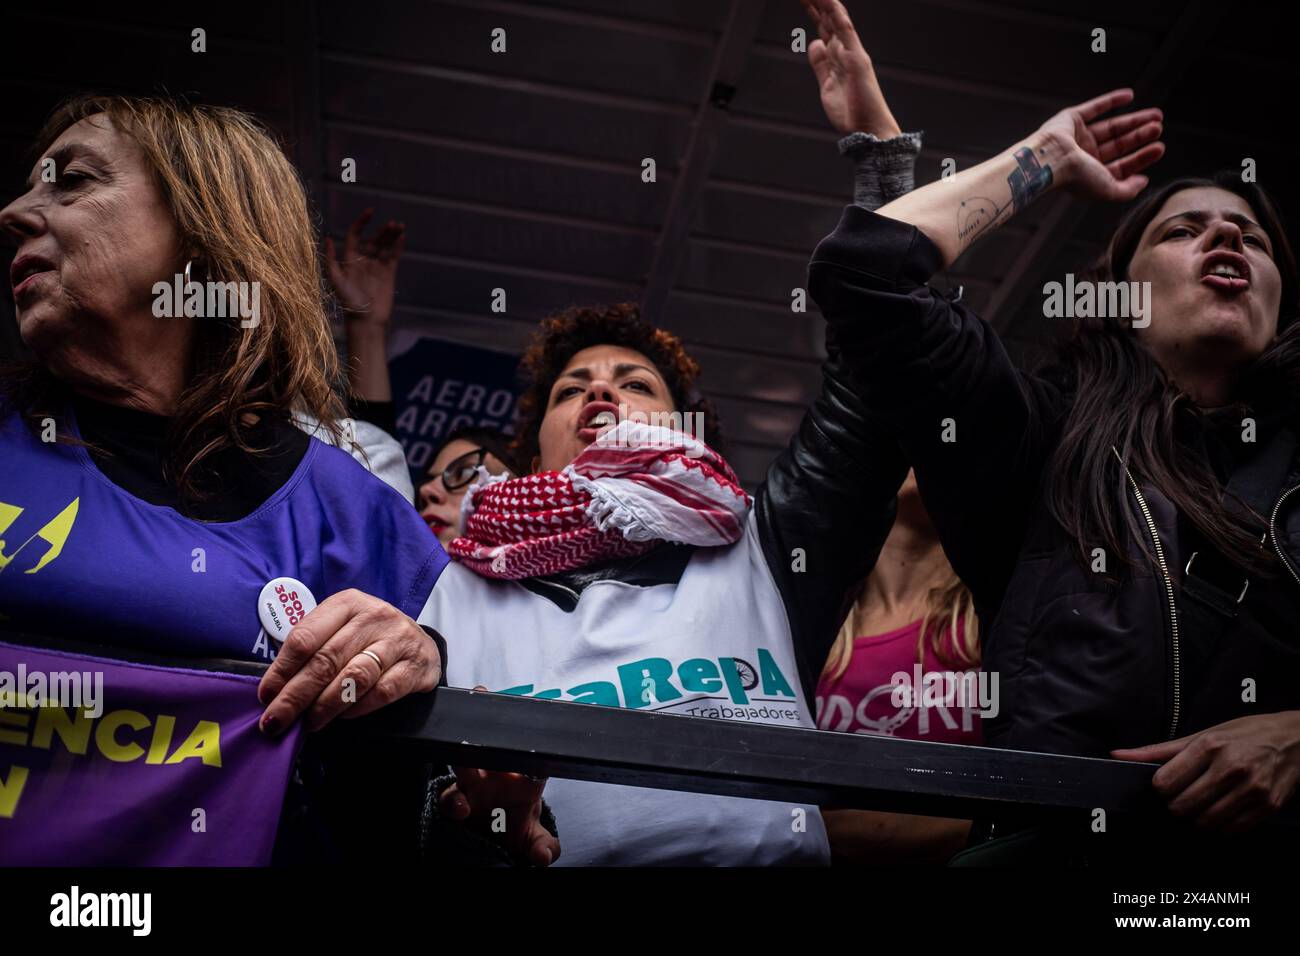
189, 276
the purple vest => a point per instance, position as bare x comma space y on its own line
84, 559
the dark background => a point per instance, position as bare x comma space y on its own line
523, 170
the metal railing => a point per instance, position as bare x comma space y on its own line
705, 755
762, 761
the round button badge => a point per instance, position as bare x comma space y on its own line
282, 604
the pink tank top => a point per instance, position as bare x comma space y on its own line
883, 691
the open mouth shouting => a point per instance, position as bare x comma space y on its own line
595, 419
1226, 272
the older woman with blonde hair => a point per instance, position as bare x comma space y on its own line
154, 480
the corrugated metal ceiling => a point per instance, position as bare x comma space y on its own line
523, 170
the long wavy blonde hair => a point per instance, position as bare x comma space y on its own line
238, 202
949, 626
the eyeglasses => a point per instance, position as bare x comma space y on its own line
463, 470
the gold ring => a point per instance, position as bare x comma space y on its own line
373, 656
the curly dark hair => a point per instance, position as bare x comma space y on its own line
564, 334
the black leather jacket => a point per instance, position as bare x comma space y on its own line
1083, 665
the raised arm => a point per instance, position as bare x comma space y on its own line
828, 500
364, 280
1074, 150
884, 157
975, 428
846, 77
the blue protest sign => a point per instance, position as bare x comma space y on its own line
441, 386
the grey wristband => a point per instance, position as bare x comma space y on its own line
883, 169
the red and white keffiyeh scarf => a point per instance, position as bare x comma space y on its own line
633, 487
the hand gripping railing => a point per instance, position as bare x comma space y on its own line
703, 755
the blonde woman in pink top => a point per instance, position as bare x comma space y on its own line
905, 664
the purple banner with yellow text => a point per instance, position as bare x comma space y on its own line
106, 762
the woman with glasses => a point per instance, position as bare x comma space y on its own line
467, 455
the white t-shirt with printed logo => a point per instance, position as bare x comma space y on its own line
715, 644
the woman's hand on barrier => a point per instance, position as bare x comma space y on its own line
349, 656
506, 807
365, 278
1103, 158
1229, 777
850, 92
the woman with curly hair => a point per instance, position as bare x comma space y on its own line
629, 568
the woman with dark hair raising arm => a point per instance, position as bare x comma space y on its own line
1124, 520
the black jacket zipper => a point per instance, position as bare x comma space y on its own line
1272, 534
1169, 585
1169, 594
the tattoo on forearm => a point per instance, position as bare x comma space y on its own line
978, 214
975, 216
1028, 179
